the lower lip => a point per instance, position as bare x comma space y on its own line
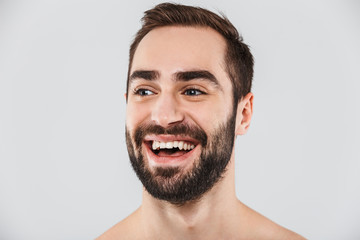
155, 160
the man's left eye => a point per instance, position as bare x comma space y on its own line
193, 92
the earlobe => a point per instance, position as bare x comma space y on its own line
244, 114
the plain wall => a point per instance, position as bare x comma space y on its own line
64, 168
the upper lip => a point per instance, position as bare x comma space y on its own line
170, 138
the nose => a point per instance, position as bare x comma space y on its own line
166, 111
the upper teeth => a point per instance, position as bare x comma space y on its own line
175, 144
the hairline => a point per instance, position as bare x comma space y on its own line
224, 63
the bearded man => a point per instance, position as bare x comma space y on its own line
188, 96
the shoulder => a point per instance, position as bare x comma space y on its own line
261, 227
125, 229
292, 236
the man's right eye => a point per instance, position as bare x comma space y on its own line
143, 92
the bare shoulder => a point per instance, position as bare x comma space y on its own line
292, 236
261, 227
279, 232
125, 229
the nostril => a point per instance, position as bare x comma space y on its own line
167, 113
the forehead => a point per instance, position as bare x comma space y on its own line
172, 49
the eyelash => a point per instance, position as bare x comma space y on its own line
141, 92
137, 91
195, 89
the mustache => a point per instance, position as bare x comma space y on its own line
194, 132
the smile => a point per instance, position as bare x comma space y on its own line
174, 145
170, 149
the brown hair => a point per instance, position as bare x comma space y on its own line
238, 59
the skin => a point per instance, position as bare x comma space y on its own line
219, 214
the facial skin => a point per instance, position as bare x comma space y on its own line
179, 91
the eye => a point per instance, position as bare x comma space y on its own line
143, 92
193, 92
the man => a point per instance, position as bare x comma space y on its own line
188, 96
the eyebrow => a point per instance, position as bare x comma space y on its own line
185, 76
144, 74
191, 75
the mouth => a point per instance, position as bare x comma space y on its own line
171, 148
162, 150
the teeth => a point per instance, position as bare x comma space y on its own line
181, 144
175, 144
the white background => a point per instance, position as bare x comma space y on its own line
64, 169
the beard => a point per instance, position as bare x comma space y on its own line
174, 184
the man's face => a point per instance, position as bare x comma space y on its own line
180, 121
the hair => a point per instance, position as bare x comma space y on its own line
238, 58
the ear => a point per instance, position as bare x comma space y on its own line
125, 95
244, 114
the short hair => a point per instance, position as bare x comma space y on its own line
238, 58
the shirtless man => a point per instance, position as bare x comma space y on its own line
188, 96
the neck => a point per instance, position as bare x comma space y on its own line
208, 217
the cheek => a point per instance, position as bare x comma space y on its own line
135, 114
209, 116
